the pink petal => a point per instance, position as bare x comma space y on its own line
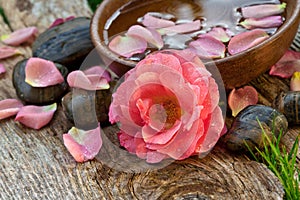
266, 22
2, 69
79, 79
264, 10
150, 35
24, 35
36, 116
9, 107
155, 22
6, 52
181, 28
246, 40
59, 21
127, 45
208, 47
241, 98
83, 145
219, 33
295, 82
287, 65
97, 70
42, 73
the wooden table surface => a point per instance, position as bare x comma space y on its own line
36, 164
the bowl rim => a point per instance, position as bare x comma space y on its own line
103, 49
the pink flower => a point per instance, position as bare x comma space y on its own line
167, 107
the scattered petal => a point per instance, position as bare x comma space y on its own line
83, 145
97, 70
24, 35
9, 107
264, 10
59, 21
6, 52
79, 79
219, 33
155, 22
241, 98
295, 82
208, 47
42, 73
287, 65
150, 35
246, 40
2, 69
181, 28
266, 22
36, 116
127, 45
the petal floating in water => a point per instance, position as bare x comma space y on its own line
219, 33
246, 40
264, 10
181, 28
155, 22
266, 22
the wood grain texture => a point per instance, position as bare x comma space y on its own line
36, 165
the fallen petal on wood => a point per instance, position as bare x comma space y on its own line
246, 40
219, 33
181, 28
6, 52
127, 45
78, 79
208, 47
24, 35
241, 98
2, 69
83, 145
287, 65
42, 73
9, 107
295, 82
266, 22
264, 10
36, 117
150, 35
155, 22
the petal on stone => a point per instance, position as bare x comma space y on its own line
181, 28
241, 98
36, 116
2, 69
97, 70
208, 47
219, 33
127, 45
6, 52
42, 73
155, 22
246, 40
150, 35
266, 22
287, 65
78, 79
295, 82
83, 145
24, 35
9, 107
263, 10
59, 21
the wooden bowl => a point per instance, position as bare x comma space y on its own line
235, 70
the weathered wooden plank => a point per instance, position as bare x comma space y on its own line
36, 165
